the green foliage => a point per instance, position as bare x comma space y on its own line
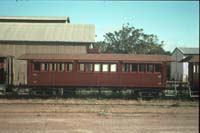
131, 40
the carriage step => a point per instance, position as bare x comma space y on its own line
194, 94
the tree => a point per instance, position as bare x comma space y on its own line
131, 40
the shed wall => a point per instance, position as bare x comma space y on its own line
179, 70
20, 66
177, 67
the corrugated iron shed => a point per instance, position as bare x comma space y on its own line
46, 32
99, 57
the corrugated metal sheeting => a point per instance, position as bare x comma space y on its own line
33, 18
194, 58
47, 32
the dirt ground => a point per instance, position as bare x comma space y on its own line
98, 116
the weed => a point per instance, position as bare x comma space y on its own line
103, 113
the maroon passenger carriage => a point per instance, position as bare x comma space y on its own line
134, 71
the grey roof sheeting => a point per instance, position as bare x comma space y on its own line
194, 58
47, 32
32, 19
189, 50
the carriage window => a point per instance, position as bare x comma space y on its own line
133, 67
89, 67
157, 67
105, 67
81, 67
150, 68
69, 67
113, 67
44, 67
194, 68
36, 66
142, 67
97, 67
61, 67
125, 67
52, 67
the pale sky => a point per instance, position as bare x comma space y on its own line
174, 22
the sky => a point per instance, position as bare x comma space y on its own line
174, 22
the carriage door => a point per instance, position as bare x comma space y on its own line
2, 70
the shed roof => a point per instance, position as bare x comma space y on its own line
99, 57
194, 58
188, 50
33, 19
47, 32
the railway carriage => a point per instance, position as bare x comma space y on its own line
97, 70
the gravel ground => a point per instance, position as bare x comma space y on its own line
98, 116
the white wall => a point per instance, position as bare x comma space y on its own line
179, 71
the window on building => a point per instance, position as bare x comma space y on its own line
113, 67
89, 67
105, 67
52, 66
44, 67
157, 67
61, 67
142, 67
197, 66
81, 67
97, 67
150, 68
36, 67
125, 67
133, 67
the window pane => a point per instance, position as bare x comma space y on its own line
52, 67
113, 67
44, 67
194, 68
149, 67
105, 67
97, 67
61, 66
197, 68
142, 67
125, 67
36, 66
157, 67
89, 67
70, 67
81, 67
133, 67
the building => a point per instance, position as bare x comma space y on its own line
179, 70
51, 35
